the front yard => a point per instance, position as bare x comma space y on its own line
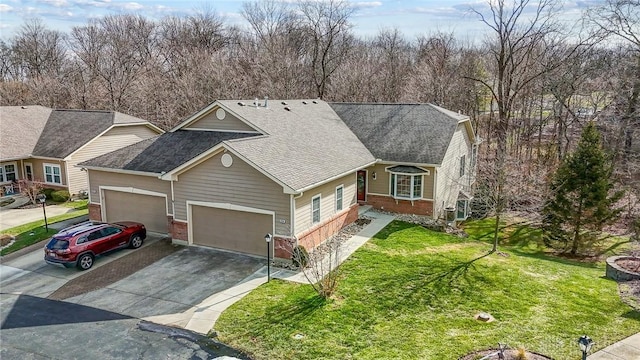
411, 293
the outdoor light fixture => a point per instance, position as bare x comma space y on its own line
42, 198
585, 343
373, 175
268, 239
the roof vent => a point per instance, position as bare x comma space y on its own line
266, 101
287, 108
315, 102
23, 107
256, 103
284, 103
241, 103
304, 102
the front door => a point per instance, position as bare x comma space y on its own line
362, 185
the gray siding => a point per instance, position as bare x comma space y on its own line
239, 184
114, 139
327, 194
149, 183
449, 181
210, 122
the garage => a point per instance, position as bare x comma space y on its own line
230, 229
150, 210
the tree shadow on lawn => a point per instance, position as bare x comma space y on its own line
299, 309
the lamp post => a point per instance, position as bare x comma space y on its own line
268, 239
42, 198
585, 343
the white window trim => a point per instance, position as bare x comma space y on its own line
319, 209
393, 186
462, 167
341, 186
3, 173
25, 171
44, 170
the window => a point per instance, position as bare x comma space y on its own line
8, 172
405, 186
462, 208
339, 191
315, 209
52, 174
463, 164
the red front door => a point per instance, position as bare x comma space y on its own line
362, 185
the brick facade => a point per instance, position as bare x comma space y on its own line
178, 230
95, 212
387, 203
319, 233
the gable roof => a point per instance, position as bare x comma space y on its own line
20, 129
68, 130
162, 153
404, 133
306, 144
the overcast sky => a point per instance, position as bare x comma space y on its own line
412, 17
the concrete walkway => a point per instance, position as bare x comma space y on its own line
626, 349
15, 217
202, 317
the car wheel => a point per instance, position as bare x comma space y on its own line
136, 241
85, 261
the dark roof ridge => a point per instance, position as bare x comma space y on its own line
88, 110
378, 103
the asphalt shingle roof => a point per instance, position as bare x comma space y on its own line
162, 153
410, 133
307, 142
20, 128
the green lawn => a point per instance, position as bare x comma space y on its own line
411, 293
33, 232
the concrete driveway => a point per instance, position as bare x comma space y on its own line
14, 217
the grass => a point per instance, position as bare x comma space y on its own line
34, 232
410, 293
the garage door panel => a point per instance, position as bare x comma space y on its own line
147, 209
233, 230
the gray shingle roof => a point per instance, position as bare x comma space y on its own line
306, 144
67, 130
162, 153
411, 133
20, 128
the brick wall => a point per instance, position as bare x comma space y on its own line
387, 203
178, 230
283, 247
319, 233
95, 212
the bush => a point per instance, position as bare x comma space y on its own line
48, 192
300, 256
60, 196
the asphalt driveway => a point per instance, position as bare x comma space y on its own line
172, 284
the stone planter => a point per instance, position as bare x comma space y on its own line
616, 272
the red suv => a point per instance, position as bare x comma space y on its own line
78, 245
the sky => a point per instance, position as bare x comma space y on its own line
411, 17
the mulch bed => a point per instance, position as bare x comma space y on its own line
108, 274
508, 355
632, 265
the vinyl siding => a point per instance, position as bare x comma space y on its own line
382, 184
239, 184
114, 139
327, 194
211, 122
449, 182
103, 178
38, 170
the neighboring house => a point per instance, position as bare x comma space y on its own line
235, 171
42, 144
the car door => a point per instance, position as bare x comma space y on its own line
97, 242
114, 237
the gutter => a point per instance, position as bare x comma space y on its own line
300, 191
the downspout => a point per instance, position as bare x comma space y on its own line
436, 198
293, 214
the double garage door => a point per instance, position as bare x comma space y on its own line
234, 230
147, 209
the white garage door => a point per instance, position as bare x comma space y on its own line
233, 230
147, 209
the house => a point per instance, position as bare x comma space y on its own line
42, 144
235, 171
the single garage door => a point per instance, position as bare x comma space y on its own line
233, 230
147, 209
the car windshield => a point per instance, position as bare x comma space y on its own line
57, 244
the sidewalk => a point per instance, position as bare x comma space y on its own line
626, 349
15, 217
202, 317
